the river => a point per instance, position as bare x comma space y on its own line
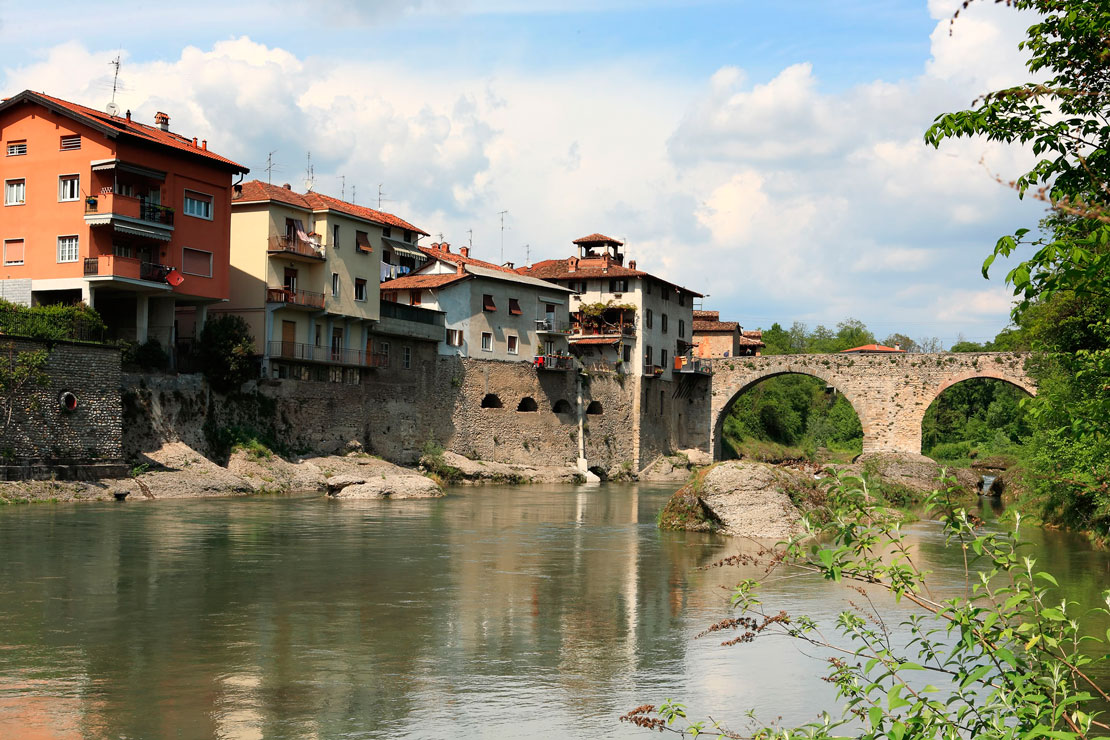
492, 613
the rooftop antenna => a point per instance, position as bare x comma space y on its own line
502, 215
112, 108
309, 178
354, 190
470, 238
380, 198
270, 167
343, 187
440, 235
527, 254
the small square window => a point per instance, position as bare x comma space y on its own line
487, 342
414, 297
454, 337
514, 307
69, 187
360, 289
17, 148
198, 205
387, 232
362, 242
13, 251
15, 192
70, 143
68, 250
512, 344
487, 303
196, 262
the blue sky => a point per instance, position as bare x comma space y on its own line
767, 154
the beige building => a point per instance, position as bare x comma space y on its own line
492, 312
305, 271
716, 338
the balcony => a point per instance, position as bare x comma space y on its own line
114, 266
297, 298
604, 367
550, 326
109, 207
690, 365
330, 355
412, 322
653, 371
292, 246
553, 362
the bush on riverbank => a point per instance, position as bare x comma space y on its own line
52, 322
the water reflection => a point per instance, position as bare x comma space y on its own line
494, 612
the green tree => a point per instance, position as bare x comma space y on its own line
903, 341
20, 374
225, 352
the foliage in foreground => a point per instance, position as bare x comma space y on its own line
225, 352
53, 322
1006, 659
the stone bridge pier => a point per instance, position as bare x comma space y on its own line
890, 392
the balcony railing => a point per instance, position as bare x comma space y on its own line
333, 355
694, 365
125, 205
295, 297
653, 371
550, 326
285, 244
593, 330
126, 267
553, 362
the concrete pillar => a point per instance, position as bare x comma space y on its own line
268, 328
142, 318
87, 295
201, 318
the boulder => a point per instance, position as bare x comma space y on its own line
337, 483
390, 487
915, 472
274, 474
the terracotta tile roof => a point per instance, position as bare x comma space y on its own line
560, 270
746, 341
872, 348
754, 334
711, 326
412, 282
594, 340
439, 252
256, 190
595, 238
115, 125
707, 315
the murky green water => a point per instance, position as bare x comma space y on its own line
495, 612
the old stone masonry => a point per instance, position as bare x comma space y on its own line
890, 393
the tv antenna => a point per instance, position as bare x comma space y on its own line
354, 191
527, 254
343, 187
380, 198
309, 176
502, 215
112, 108
270, 167
470, 238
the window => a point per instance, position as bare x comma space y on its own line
663, 322
487, 303
647, 355
647, 287
414, 297
13, 251
360, 289
626, 353
666, 294
122, 250
408, 236
514, 307
362, 242
196, 262
335, 236
454, 337
663, 358
512, 343
198, 205
16, 148
69, 187
618, 286
383, 350
67, 249
681, 298
15, 192
335, 285
406, 357
387, 232
681, 328
648, 318
71, 143
487, 342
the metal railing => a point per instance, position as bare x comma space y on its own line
295, 297
691, 364
549, 326
153, 272
335, 355
653, 371
126, 205
294, 245
553, 362
128, 267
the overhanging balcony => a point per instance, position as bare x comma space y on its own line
689, 365
127, 269
295, 248
553, 362
412, 322
295, 298
330, 355
134, 216
550, 326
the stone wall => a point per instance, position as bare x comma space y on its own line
44, 440
890, 392
674, 415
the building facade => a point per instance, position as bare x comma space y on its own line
716, 338
491, 311
131, 218
306, 270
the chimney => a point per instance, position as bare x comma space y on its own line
508, 264
287, 186
162, 120
632, 265
194, 142
572, 264
129, 115
204, 144
464, 251
460, 269
445, 246
238, 188
897, 346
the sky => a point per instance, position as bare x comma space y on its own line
769, 155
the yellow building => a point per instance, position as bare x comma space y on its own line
305, 270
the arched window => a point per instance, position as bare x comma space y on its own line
491, 401
594, 407
527, 404
562, 407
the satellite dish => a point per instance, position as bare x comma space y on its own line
112, 108
309, 183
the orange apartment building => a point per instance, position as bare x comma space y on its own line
129, 217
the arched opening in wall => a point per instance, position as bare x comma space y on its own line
978, 421
562, 406
491, 401
594, 408
790, 416
527, 404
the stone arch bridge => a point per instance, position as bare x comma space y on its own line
890, 392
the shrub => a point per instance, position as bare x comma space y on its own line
225, 352
146, 356
57, 321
